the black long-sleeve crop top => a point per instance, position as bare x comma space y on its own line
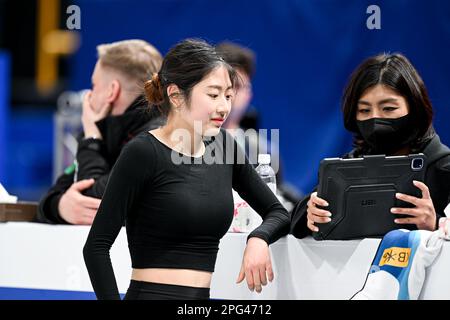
176, 208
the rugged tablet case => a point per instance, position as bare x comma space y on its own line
361, 191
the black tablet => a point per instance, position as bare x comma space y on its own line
361, 192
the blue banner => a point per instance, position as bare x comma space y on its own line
4, 113
306, 51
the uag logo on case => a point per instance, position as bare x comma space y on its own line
396, 257
368, 202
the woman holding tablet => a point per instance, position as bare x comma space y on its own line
387, 108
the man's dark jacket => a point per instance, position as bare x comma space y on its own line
96, 157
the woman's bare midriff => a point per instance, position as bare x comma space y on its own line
183, 277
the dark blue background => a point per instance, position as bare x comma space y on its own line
305, 50
4, 110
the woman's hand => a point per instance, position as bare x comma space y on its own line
256, 264
316, 215
423, 214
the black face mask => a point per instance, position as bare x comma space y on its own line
386, 136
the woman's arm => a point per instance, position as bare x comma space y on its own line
299, 220
127, 179
257, 194
256, 264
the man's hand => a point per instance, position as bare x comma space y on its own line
91, 115
76, 208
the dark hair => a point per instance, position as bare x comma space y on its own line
185, 65
396, 72
238, 56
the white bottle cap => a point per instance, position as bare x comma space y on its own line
264, 158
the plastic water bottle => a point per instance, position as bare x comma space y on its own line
266, 172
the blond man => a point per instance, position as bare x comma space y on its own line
113, 113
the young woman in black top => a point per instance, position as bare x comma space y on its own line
173, 188
386, 107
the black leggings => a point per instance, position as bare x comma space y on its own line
142, 290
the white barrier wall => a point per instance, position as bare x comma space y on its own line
47, 257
